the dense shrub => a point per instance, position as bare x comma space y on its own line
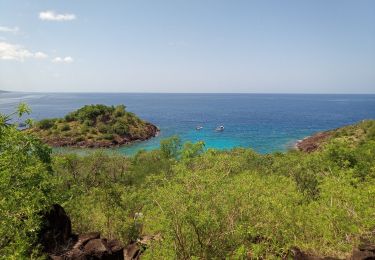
205, 204
46, 123
65, 127
109, 137
120, 128
26, 190
227, 204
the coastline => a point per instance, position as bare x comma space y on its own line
313, 142
153, 131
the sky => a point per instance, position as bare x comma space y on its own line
255, 46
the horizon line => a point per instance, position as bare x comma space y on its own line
146, 92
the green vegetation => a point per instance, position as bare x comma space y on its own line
26, 189
94, 126
205, 204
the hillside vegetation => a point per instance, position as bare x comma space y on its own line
353, 133
204, 204
94, 126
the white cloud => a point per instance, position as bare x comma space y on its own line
15, 52
52, 16
9, 30
40, 55
67, 59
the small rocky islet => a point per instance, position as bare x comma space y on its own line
94, 126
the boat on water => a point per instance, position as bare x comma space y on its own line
199, 128
220, 128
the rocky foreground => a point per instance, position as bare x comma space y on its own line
59, 243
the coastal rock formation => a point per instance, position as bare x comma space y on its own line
353, 134
312, 143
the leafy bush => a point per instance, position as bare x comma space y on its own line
65, 127
103, 128
26, 191
79, 139
91, 112
109, 137
46, 123
119, 111
120, 128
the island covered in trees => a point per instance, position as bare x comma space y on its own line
94, 126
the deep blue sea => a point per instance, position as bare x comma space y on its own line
263, 122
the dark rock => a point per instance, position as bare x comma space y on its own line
83, 239
59, 243
366, 246
132, 252
97, 248
56, 232
91, 246
365, 251
298, 254
116, 247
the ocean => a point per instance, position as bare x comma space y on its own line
263, 122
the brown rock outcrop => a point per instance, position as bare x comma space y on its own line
58, 241
56, 232
365, 251
312, 143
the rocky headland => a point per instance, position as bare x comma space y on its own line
312, 143
352, 133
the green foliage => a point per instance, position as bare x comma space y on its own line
65, 127
108, 137
119, 111
46, 123
205, 204
26, 190
120, 128
91, 112
170, 147
228, 204
191, 150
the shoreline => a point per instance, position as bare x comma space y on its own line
58, 143
312, 142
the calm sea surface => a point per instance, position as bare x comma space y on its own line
263, 122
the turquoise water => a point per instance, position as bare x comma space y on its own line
263, 122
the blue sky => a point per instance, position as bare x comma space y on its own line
264, 46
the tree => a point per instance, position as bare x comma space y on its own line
26, 190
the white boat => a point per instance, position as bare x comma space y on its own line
199, 128
220, 128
